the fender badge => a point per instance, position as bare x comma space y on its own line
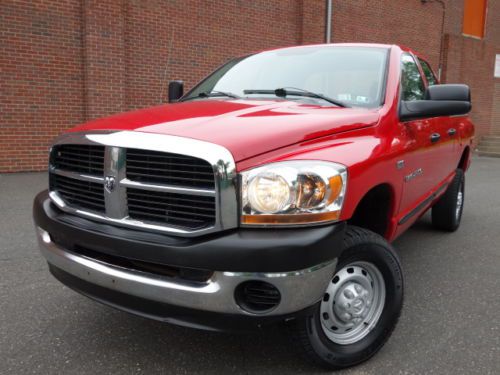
412, 175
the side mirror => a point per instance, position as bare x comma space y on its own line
175, 91
440, 100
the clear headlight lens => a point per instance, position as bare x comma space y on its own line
269, 193
293, 192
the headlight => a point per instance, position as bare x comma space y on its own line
293, 192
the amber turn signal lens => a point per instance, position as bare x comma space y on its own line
335, 188
285, 219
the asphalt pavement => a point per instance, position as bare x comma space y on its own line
450, 322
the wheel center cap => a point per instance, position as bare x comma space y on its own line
352, 302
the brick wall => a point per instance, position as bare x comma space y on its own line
418, 25
64, 62
407, 23
495, 114
41, 78
493, 40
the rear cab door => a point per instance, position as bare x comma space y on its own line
446, 127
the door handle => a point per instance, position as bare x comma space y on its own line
435, 137
452, 132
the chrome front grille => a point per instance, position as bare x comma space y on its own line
155, 182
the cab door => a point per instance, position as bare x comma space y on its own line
420, 166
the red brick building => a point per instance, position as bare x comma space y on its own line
64, 62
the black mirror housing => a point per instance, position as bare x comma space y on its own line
440, 100
175, 91
456, 92
415, 109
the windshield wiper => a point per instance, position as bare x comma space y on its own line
212, 94
284, 91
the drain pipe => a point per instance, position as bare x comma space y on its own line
328, 22
443, 6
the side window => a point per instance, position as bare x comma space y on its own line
411, 80
431, 79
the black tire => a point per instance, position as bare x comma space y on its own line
307, 331
447, 212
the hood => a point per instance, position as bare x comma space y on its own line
245, 127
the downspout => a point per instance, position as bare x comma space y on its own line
328, 22
443, 6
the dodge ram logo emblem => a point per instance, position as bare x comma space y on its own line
109, 183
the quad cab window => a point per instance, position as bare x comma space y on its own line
429, 75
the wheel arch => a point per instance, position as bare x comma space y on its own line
464, 162
375, 209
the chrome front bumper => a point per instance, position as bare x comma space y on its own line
299, 289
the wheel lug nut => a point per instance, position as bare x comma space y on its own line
347, 305
346, 316
358, 288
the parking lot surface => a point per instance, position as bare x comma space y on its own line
450, 322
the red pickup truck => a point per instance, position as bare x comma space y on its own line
268, 193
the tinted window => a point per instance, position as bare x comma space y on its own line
431, 80
411, 80
354, 75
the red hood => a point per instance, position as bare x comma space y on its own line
245, 127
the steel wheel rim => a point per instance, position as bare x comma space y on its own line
460, 203
353, 303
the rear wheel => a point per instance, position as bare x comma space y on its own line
360, 307
447, 212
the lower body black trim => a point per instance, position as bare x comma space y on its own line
422, 205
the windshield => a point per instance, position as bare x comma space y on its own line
352, 75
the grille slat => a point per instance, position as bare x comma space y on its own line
77, 194
140, 194
153, 162
172, 218
157, 155
169, 169
70, 182
172, 209
152, 203
169, 211
132, 204
90, 194
82, 194
139, 170
77, 161
79, 158
173, 180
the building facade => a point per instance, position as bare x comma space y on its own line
65, 62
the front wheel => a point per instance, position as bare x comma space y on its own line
360, 306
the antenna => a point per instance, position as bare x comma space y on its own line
165, 72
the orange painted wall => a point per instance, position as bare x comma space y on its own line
474, 17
